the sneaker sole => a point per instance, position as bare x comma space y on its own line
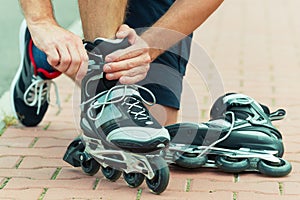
18, 73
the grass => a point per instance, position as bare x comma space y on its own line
55, 174
188, 185
19, 163
5, 182
139, 194
236, 178
33, 142
8, 121
96, 183
43, 194
47, 126
234, 196
280, 185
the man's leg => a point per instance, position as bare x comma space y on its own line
101, 18
165, 115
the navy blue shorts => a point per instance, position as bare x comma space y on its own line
166, 72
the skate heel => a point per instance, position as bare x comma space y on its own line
77, 157
74, 152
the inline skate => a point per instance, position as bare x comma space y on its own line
119, 134
239, 137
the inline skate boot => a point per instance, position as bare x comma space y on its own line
239, 137
119, 134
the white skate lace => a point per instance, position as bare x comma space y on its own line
141, 115
39, 90
223, 138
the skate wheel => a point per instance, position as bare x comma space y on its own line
89, 166
274, 169
189, 160
232, 165
133, 179
111, 174
160, 180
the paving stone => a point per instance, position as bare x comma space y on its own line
52, 152
43, 173
16, 142
291, 188
21, 194
257, 177
39, 162
72, 173
40, 133
52, 142
171, 195
57, 194
8, 161
252, 195
210, 174
24, 183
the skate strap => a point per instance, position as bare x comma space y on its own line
198, 134
101, 47
206, 135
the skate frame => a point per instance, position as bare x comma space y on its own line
119, 159
252, 155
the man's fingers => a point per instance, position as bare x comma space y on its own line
127, 64
84, 64
75, 60
124, 54
53, 57
136, 71
132, 79
65, 59
126, 32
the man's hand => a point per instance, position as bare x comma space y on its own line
129, 65
65, 51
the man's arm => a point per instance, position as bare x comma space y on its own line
180, 20
64, 50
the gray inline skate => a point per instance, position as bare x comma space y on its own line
239, 137
119, 134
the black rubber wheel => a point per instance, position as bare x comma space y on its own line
133, 179
110, 173
90, 166
160, 181
274, 169
188, 160
232, 165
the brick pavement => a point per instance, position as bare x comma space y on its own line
255, 46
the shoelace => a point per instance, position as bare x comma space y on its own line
38, 90
132, 103
223, 138
141, 115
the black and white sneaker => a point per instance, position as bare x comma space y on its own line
115, 115
30, 88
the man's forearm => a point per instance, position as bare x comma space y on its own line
181, 20
37, 11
